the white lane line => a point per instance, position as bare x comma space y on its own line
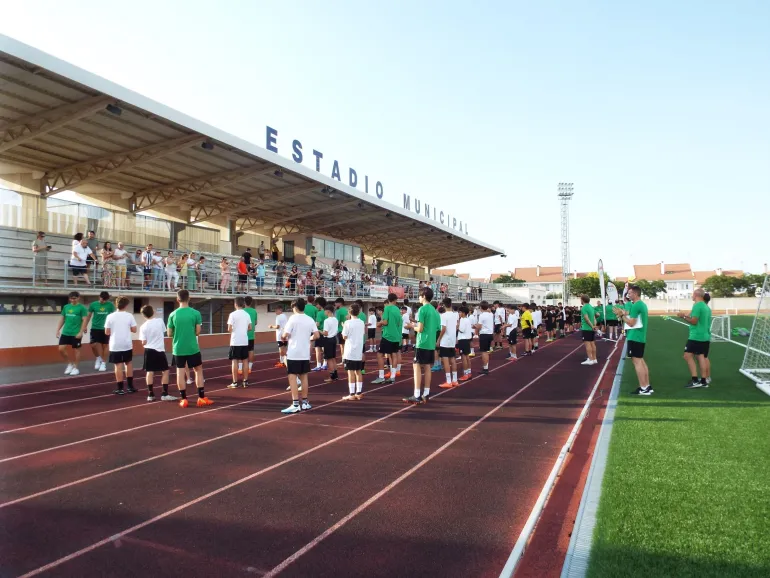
340, 523
256, 474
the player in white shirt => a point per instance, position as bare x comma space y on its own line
151, 334
239, 325
447, 341
280, 323
330, 330
474, 317
352, 354
537, 318
511, 328
464, 336
486, 330
298, 332
499, 317
371, 331
119, 326
406, 317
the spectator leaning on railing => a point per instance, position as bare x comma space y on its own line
172, 275
40, 263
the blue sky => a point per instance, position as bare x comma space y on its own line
658, 112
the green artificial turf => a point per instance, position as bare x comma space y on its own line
687, 486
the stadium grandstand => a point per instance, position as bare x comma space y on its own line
149, 175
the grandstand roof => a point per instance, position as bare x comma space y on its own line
80, 132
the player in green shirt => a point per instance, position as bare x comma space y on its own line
72, 325
320, 315
612, 323
310, 308
250, 334
636, 335
426, 327
390, 341
97, 314
698, 340
599, 312
588, 329
184, 327
341, 314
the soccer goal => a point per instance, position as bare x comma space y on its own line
720, 328
756, 362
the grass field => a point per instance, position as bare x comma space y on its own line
687, 486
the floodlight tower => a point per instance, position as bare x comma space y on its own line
565, 194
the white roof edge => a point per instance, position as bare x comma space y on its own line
62, 68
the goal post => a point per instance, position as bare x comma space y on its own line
756, 362
720, 328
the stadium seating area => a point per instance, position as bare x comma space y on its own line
17, 269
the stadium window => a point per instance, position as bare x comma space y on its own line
339, 251
349, 253
319, 246
329, 250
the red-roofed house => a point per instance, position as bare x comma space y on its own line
701, 276
548, 277
678, 277
443, 272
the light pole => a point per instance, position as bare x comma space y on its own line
565, 192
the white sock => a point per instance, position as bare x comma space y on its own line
318, 364
467, 372
448, 377
398, 368
359, 386
426, 392
99, 359
382, 374
486, 366
471, 349
240, 366
454, 376
352, 387
417, 392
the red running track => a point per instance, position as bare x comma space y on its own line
91, 484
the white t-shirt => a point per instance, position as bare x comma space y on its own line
332, 326
406, 317
120, 323
465, 329
82, 253
487, 323
119, 256
513, 321
372, 322
499, 316
170, 264
537, 317
449, 320
353, 332
157, 262
153, 332
300, 329
240, 321
280, 321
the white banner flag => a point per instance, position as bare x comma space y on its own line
612, 292
603, 289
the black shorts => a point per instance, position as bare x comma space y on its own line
191, 361
282, 344
351, 365
405, 336
424, 356
319, 343
238, 352
243, 278
498, 327
589, 335
71, 340
121, 356
485, 341
561, 323
371, 333
99, 336
635, 349
612, 322
464, 345
330, 348
528, 333
386, 347
78, 271
155, 360
446, 352
297, 366
697, 347
340, 338
250, 345
512, 337
549, 326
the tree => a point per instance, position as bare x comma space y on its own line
508, 279
722, 285
651, 289
751, 282
588, 285
553, 296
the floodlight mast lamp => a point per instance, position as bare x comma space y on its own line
565, 192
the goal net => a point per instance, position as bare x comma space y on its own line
756, 362
720, 328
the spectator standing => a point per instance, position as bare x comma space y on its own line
260, 277
93, 244
261, 250
313, 256
243, 276
192, 272
224, 275
293, 280
108, 267
280, 273
182, 267
247, 257
202, 272
273, 249
147, 267
79, 261
172, 275
119, 259
157, 270
40, 258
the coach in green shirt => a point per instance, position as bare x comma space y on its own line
426, 327
698, 340
636, 335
